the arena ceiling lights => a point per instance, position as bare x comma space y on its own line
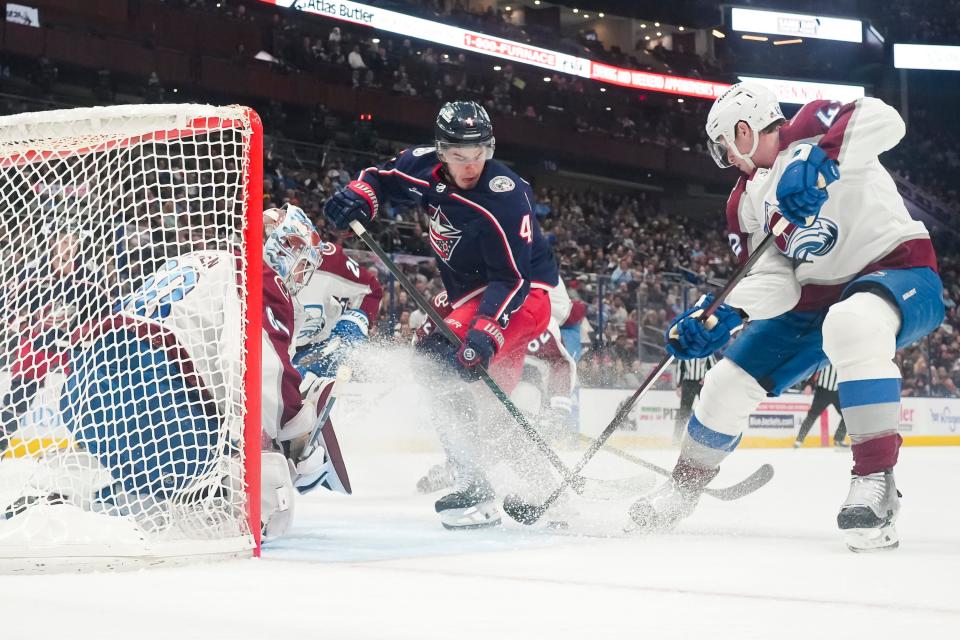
796, 25
926, 56
458, 38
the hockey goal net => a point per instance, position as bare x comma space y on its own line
129, 403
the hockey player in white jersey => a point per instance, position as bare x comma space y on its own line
853, 279
319, 326
332, 313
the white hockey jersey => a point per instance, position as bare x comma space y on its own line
863, 226
339, 283
192, 307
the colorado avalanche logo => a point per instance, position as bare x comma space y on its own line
804, 243
817, 240
443, 236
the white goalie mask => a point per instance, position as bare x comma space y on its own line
293, 249
743, 102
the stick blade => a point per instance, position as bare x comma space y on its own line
748, 485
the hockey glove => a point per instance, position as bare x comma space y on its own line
484, 339
324, 359
802, 187
310, 469
352, 327
356, 201
688, 337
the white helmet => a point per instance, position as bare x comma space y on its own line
745, 101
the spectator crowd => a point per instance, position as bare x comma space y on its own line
634, 266
631, 262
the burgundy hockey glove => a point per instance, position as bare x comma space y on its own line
484, 339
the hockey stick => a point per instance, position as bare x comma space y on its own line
740, 489
527, 513
574, 480
344, 373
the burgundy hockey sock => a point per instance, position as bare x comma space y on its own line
876, 454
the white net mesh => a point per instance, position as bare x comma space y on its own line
122, 308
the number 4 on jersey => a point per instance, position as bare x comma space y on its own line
526, 231
827, 114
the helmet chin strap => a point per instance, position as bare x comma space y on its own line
748, 157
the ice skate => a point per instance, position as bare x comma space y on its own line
472, 505
440, 476
674, 500
868, 514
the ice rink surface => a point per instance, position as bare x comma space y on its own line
378, 565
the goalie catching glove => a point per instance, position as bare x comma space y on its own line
689, 337
324, 359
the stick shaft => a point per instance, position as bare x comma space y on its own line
448, 333
625, 408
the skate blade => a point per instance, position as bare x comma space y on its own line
477, 517
868, 540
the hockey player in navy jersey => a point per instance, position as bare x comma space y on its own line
545, 392
496, 267
852, 279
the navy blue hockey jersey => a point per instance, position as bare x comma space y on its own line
487, 240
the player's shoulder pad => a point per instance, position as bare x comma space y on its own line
334, 261
813, 119
419, 152
417, 159
504, 192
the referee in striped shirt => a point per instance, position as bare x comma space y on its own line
690, 375
825, 394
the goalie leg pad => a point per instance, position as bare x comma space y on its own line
131, 406
277, 496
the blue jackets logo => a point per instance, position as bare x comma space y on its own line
443, 236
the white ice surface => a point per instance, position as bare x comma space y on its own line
378, 565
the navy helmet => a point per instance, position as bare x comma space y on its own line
464, 124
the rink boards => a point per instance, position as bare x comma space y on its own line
923, 421
775, 422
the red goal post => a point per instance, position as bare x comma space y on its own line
129, 393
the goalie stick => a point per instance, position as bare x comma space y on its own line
322, 434
591, 488
527, 513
